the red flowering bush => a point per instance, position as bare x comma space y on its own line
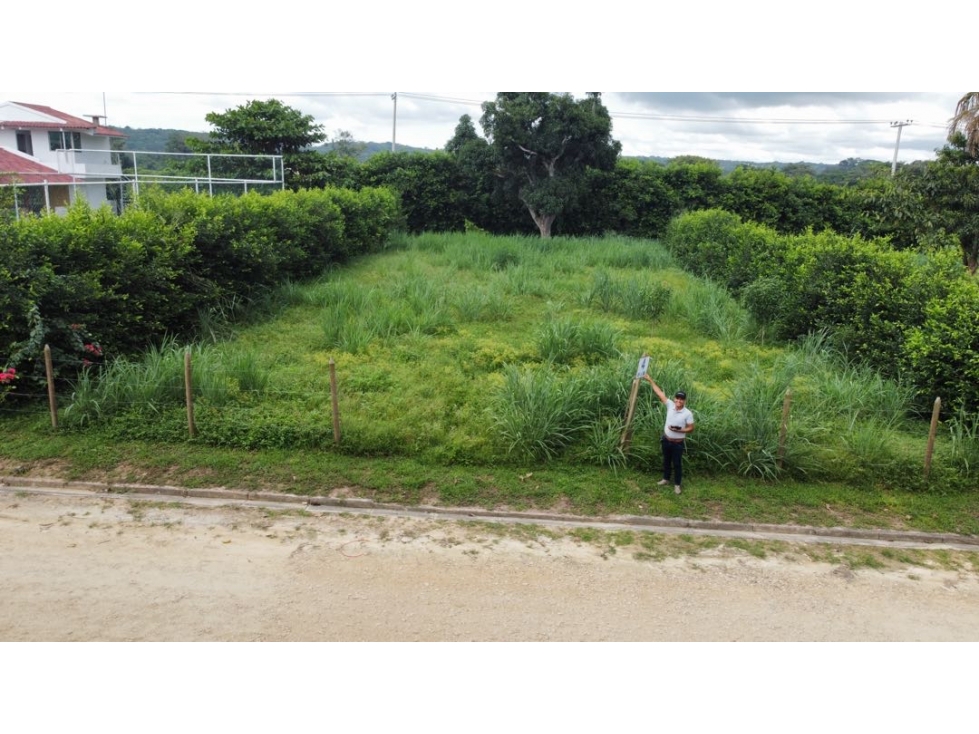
7, 378
93, 350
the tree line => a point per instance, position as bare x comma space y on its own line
547, 163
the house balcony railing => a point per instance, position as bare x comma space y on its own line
89, 163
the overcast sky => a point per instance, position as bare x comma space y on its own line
819, 127
685, 50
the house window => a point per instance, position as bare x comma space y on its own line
62, 140
24, 144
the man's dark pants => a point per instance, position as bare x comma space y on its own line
672, 459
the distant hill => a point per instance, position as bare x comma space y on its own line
728, 166
155, 139
374, 148
164, 140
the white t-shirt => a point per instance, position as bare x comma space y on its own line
674, 417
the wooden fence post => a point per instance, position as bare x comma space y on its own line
336, 404
189, 394
783, 430
52, 399
626, 438
931, 435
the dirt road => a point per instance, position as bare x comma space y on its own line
114, 568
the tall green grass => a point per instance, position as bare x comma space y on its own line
635, 296
157, 382
713, 312
478, 349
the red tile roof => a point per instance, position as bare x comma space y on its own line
69, 122
18, 169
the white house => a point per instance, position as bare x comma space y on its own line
53, 158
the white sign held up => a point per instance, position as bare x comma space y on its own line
643, 366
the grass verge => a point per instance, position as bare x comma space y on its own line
29, 450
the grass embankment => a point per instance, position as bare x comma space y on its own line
494, 372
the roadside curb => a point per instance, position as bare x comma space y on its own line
224, 493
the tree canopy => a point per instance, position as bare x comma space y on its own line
264, 128
260, 127
545, 143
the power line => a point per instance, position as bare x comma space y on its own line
273, 94
434, 98
612, 113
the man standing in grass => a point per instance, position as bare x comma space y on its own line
679, 423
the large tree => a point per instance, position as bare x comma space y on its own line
265, 128
260, 127
545, 143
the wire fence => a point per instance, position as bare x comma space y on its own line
190, 387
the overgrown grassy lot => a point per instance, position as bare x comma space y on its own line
488, 371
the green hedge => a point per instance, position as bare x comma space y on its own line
717, 245
92, 283
906, 313
942, 351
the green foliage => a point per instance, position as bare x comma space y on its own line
963, 431
602, 444
718, 245
867, 294
696, 183
142, 388
545, 143
567, 341
634, 198
260, 127
636, 296
787, 204
942, 351
869, 297
430, 185
740, 433
713, 312
470, 349
116, 284
118, 279
536, 414
927, 203
951, 189
146, 389
487, 201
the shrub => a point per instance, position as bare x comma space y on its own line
125, 282
942, 353
717, 245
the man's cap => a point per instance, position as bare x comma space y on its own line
680, 394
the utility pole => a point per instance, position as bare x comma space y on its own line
394, 126
899, 126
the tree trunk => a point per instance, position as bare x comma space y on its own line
970, 254
543, 222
